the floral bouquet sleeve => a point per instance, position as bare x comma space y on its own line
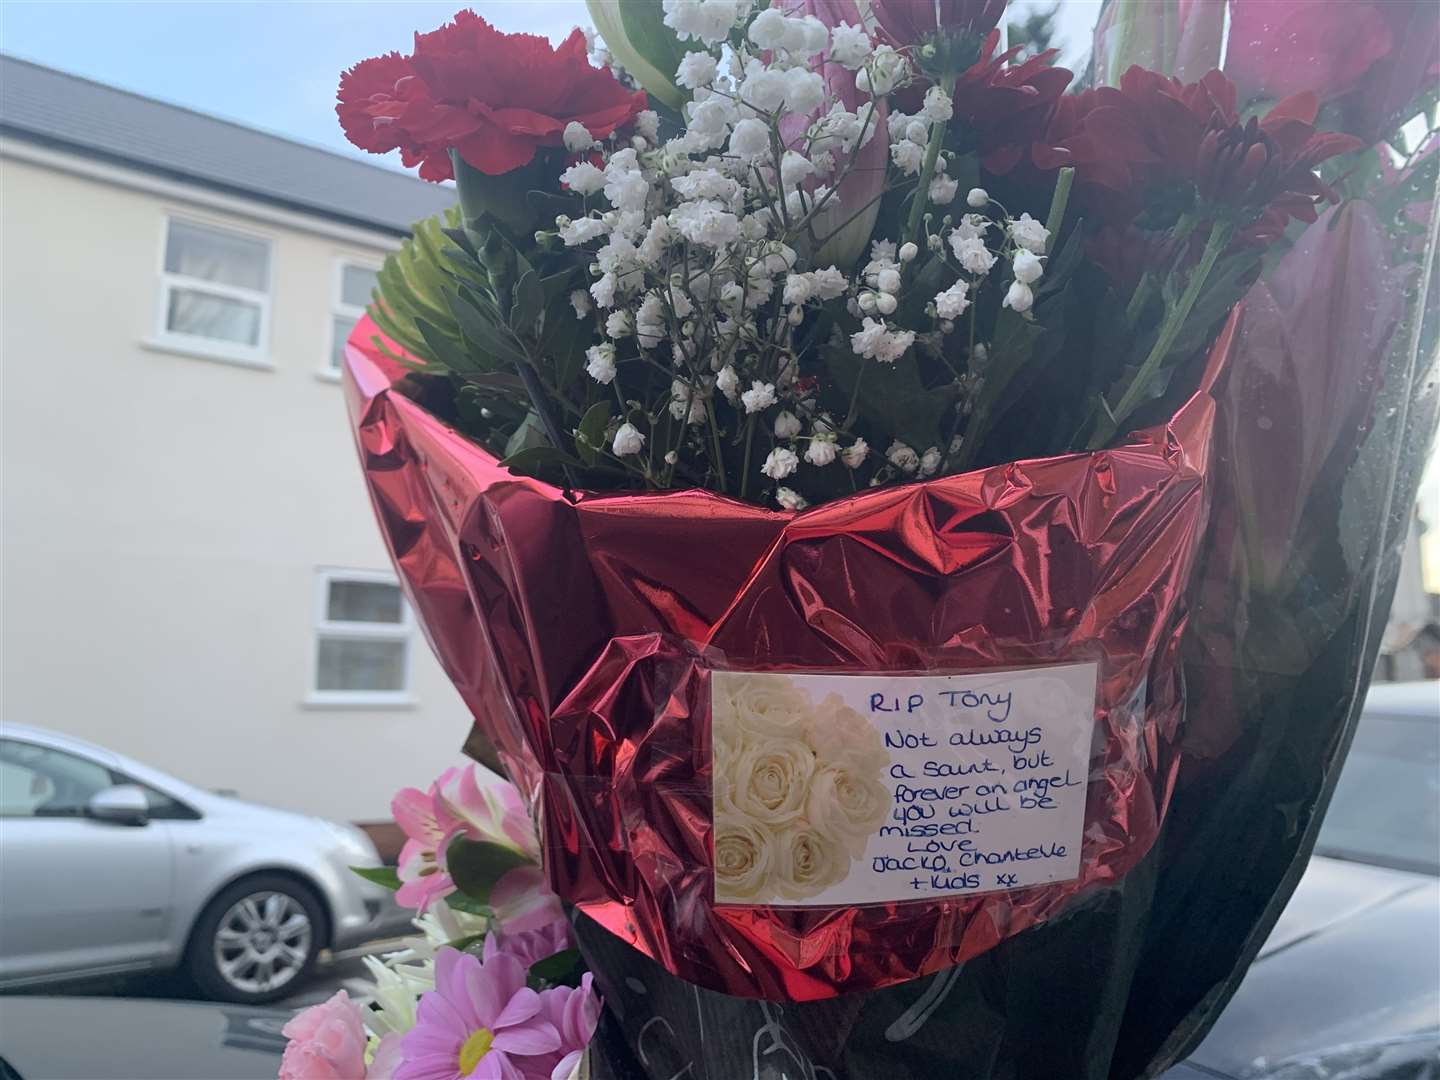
904, 523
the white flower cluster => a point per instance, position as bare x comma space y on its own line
799, 789
698, 249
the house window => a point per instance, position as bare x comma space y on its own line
215, 291
355, 283
363, 632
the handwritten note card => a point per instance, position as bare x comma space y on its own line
832, 790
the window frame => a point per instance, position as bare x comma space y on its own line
164, 338
326, 628
339, 308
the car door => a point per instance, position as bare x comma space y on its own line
76, 894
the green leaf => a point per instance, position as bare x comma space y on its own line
530, 433
590, 435
495, 342
642, 52
528, 302
380, 875
443, 350
458, 901
533, 461
892, 396
476, 865
562, 969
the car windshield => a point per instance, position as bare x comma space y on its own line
1386, 808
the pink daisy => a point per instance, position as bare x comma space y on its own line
479, 1017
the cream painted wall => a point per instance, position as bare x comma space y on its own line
164, 516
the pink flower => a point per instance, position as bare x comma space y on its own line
463, 801
387, 1059
574, 1012
523, 901
1375, 57
481, 1022
327, 1042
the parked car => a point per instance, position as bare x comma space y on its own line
80, 1038
111, 866
1347, 986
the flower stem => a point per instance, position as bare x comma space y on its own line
1174, 323
927, 172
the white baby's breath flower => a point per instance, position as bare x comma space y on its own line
1029, 234
1019, 297
600, 362
790, 499
577, 137
855, 454
794, 167
903, 457
908, 157
603, 291
780, 463
787, 425
942, 190
750, 139
951, 303
804, 90
697, 69
888, 281
1028, 267
647, 123
850, 46
628, 440
798, 288
937, 108
582, 231
973, 255
580, 301
767, 31
583, 178
829, 283
930, 461
885, 71
759, 397
706, 20
908, 251
821, 451
728, 382
619, 324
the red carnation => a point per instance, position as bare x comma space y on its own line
493, 98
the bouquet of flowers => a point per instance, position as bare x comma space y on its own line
805, 446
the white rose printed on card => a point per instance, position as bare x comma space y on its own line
836, 790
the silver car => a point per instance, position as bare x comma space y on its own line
108, 866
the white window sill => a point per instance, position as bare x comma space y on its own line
343, 701
198, 351
328, 375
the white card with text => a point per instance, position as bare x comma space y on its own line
836, 790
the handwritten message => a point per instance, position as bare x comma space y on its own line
962, 784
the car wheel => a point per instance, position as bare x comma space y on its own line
256, 941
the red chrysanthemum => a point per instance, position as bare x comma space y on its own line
906, 22
1152, 135
494, 98
1006, 107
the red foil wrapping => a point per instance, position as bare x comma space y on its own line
580, 629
